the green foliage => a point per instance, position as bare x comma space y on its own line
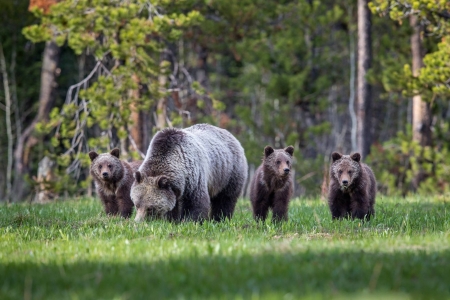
398, 161
23, 65
128, 38
282, 73
69, 249
429, 10
271, 72
433, 77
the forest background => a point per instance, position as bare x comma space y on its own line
323, 76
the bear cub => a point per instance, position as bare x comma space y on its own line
272, 185
113, 179
352, 187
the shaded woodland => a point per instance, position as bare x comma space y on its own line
323, 76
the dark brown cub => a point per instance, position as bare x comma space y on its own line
272, 185
352, 187
113, 179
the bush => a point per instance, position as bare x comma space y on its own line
402, 166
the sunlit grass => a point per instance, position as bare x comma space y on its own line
71, 250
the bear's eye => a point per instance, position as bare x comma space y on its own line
340, 171
278, 162
100, 167
109, 166
350, 172
287, 163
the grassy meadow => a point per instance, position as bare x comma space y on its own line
70, 250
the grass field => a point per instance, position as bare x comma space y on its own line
70, 250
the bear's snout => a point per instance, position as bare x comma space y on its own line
345, 182
105, 175
286, 171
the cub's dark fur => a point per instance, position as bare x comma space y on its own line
272, 185
113, 179
352, 187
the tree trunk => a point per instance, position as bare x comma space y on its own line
161, 108
201, 71
8, 123
421, 117
44, 180
136, 130
420, 109
26, 140
15, 100
363, 87
351, 100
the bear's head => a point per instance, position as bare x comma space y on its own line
345, 169
106, 166
278, 162
155, 194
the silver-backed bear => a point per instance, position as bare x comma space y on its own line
194, 173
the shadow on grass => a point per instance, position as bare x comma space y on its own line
416, 273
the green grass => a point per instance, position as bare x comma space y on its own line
70, 250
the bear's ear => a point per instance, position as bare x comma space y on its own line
138, 176
93, 155
163, 182
115, 152
336, 156
289, 150
267, 151
356, 156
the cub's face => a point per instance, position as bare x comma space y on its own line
279, 161
153, 194
345, 169
106, 166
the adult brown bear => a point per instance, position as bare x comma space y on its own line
193, 173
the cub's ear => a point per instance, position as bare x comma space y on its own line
138, 176
267, 151
289, 150
336, 156
356, 156
115, 152
93, 155
163, 182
